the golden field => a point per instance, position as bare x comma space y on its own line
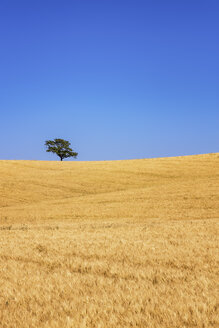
110, 244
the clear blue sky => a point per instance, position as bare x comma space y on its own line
119, 79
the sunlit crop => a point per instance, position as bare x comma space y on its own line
110, 244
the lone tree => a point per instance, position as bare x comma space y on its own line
61, 148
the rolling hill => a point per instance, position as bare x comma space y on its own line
177, 188
110, 244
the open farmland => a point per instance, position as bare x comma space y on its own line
110, 244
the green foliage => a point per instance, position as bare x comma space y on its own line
61, 148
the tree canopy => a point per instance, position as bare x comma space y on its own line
61, 148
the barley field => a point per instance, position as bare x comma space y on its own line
110, 244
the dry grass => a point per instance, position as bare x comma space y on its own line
109, 244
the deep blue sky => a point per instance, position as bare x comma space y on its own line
119, 79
